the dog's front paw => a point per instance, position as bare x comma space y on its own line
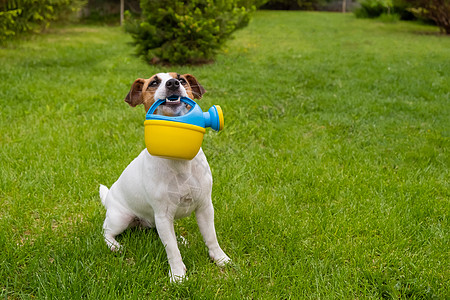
219, 257
177, 274
222, 262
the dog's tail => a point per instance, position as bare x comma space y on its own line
103, 193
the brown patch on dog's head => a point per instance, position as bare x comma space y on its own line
197, 89
142, 92
134, 96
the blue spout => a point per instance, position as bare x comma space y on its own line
214, 118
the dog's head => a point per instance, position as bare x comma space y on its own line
163, 86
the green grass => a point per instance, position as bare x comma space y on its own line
331, 176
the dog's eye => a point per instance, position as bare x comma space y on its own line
154, 83
183, 81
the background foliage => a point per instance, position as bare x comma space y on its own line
20, 16
24, 16
107, 11
435, 11
181, 32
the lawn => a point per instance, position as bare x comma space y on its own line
331, 177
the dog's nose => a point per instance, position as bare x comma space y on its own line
172, 84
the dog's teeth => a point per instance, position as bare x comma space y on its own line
173, 100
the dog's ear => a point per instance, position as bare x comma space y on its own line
134, 96
197, 89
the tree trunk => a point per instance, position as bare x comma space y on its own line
344, 6
122, 5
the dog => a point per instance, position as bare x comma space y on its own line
154, 191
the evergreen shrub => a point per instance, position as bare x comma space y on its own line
186, 32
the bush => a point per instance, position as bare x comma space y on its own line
383, 9
436, 10
178, 32
433, 11
371, 9
19, 16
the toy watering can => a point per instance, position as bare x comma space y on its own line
180, 137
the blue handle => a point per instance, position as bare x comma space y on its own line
195, 116
157, 103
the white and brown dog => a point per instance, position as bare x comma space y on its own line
155, 191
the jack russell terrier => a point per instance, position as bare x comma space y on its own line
155, 191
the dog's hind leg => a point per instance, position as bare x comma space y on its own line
115, 223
